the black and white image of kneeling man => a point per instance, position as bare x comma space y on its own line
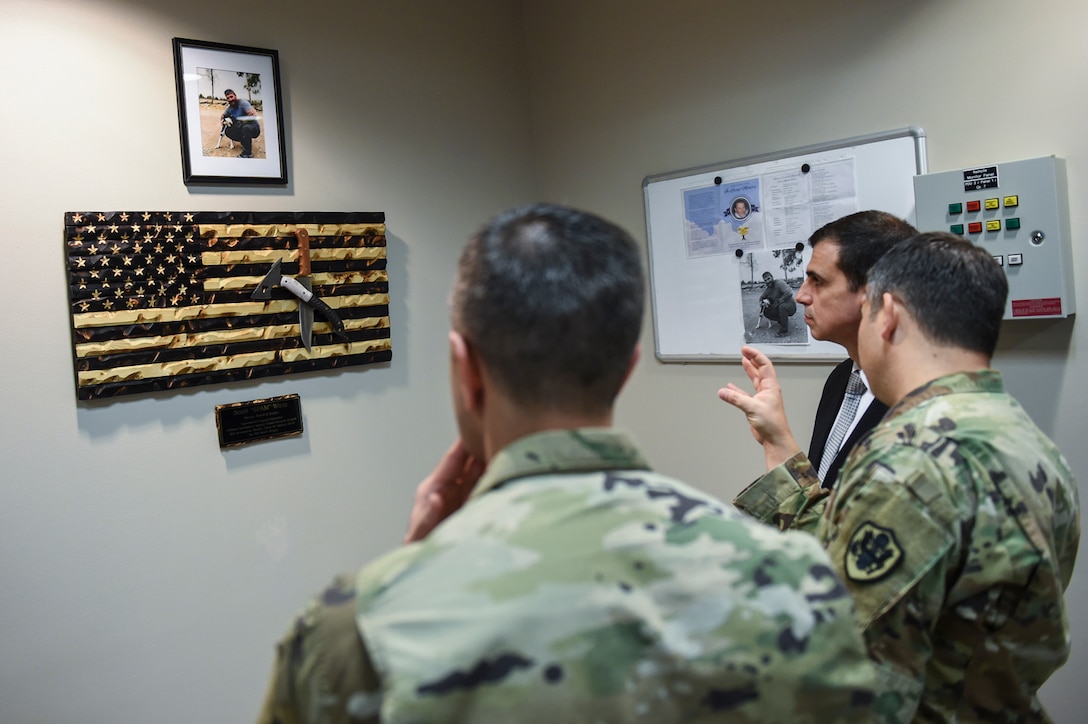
768, 282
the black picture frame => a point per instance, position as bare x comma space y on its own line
204, 71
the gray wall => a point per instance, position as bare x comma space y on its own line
144, 574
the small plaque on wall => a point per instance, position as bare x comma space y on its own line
240, 423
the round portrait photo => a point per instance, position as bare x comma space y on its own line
741, 208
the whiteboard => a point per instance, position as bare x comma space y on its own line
713, 230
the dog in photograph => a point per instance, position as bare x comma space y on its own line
760, 318
227, 123
749, 333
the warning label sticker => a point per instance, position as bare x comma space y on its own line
1049, 307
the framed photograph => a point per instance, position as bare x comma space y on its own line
230, 114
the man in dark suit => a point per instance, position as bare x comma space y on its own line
843, 251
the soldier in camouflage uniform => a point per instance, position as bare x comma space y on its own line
569, 582
956, 521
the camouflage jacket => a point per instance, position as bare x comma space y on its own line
955, 525
577, 585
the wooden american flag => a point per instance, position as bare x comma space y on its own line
161, 299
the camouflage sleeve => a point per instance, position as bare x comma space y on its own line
322, 671
889, 534
789, 496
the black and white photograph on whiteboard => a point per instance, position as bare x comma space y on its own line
769, 281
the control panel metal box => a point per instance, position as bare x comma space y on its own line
1017, 211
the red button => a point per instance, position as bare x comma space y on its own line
974, 205
975, 227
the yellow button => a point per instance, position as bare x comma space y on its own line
994, 225
1012, 201
992, 204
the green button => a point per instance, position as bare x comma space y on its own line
956, 229
1012, 223
955, 209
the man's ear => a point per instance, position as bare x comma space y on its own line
891, 316
465, 372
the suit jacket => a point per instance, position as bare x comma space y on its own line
828, 410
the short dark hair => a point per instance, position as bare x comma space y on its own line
862, 237
955, 290
551, 298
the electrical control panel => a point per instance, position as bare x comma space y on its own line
1019, 212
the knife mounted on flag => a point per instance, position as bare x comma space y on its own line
301, 287
305, 312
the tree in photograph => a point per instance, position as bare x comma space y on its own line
210, 75
789, 259
252, 83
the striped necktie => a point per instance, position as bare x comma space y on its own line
855, 388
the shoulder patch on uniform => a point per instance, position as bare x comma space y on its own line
872, 553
